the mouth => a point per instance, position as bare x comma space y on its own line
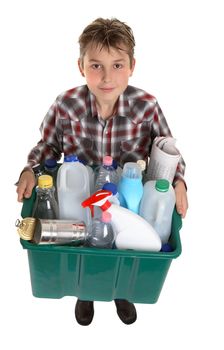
107, 89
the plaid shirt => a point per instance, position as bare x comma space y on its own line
73, 126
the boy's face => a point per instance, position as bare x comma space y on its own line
106, 72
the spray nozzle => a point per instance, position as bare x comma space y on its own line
99, 198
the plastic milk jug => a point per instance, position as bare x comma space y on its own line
157, 206
73, 187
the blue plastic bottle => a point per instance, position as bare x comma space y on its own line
130, 187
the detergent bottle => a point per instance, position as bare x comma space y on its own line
130, 187
132, 231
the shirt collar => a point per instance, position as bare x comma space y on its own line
127, 106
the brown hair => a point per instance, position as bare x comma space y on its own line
107, 33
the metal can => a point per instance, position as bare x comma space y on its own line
59, 232
25, 228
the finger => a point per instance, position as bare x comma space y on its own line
28, 191
20, 190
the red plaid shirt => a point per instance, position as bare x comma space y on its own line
72, 126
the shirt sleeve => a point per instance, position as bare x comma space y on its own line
160, 128
50, 145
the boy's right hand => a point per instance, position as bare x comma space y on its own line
26, 184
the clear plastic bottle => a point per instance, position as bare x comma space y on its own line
101, 233
106, 173
51, 168
45, 206
157, 206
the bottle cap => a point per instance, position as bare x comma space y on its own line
71, 158
142, 164
106, 216
107, 160
50, 163
162, 185
110, 186
166, 247
45, 181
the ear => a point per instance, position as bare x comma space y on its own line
80, 67
132, 66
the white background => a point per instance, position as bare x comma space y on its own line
179, 53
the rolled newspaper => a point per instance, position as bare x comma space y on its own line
163, 159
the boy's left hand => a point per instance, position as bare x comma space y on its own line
181, 198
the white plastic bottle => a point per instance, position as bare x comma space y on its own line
131, 230
107, 173
101, 233
157, 206
73, 187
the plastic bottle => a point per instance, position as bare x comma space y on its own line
117, 168
132, 231
72, 188
51, 168
91, 175
157, 206
45, 206
130, 187
106, 173
101, 233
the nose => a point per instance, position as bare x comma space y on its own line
106, 75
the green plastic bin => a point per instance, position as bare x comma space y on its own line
100, 274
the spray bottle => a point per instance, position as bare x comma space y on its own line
133, 232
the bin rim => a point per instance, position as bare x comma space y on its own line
129, 253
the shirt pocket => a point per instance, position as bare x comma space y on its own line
82, 147
135, 149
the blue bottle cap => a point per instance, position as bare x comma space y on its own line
71, 158
166, 247
110, 186
50, 163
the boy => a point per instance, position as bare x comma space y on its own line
104, 117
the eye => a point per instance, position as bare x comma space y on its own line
118, 65
96, 66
